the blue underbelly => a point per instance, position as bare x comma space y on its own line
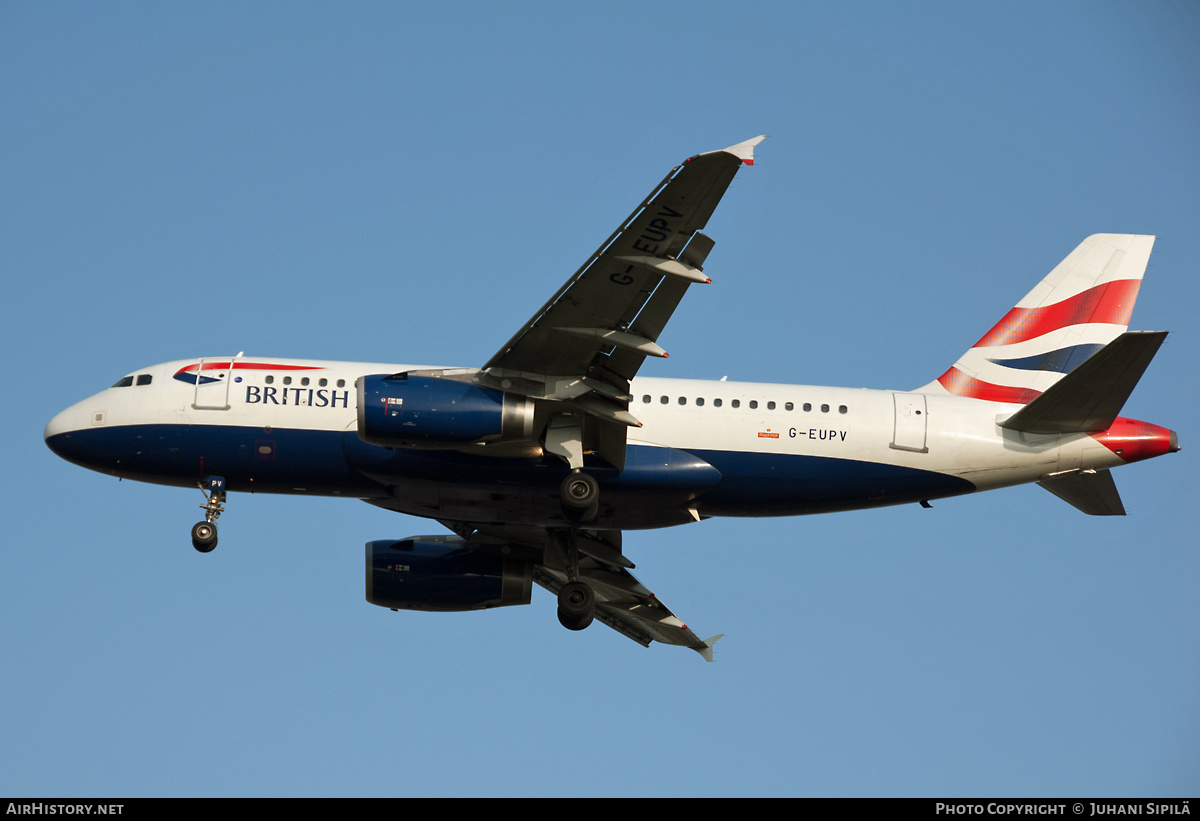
659, 486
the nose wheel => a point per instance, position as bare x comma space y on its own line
204, 534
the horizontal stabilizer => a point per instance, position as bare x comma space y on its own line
1092, 491
1091, 396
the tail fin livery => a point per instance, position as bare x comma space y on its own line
1081, 306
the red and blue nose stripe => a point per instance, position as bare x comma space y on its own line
193, 373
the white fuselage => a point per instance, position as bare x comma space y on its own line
284, 425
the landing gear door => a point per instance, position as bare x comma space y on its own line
909, 431
212, 384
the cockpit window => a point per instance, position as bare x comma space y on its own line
124, 382
144, 378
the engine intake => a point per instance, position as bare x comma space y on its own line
405, 410
441, 573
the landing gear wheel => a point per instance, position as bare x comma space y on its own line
580, 495
576, 605
204, 536
574, 622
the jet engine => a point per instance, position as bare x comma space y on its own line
441, 573
410, 411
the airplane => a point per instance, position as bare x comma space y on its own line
537, 461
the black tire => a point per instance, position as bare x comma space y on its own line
576, 599
578, 517
204, 536
580, 495
579, 491
574, 622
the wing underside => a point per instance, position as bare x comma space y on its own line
582, 347
607, 317
574, 359
622, 602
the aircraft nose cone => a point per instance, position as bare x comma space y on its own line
62, 423
58, 433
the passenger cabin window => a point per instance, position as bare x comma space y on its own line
270, 380
716, 403
700, 400
842, 409
341, 383
753, 404
737, 403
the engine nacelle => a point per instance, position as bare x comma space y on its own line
441, 573
410, 411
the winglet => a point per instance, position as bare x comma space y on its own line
745, 151
709, 642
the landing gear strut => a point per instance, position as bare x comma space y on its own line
579, 494
204, 534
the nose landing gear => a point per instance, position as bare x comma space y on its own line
204, 534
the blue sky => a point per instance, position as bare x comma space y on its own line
409, 182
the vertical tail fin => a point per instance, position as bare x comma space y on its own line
1081, 306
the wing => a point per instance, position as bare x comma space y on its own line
589, 340
622, 602
578, 354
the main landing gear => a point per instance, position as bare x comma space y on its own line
580, 496
576, 600
204, 534
576, 605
